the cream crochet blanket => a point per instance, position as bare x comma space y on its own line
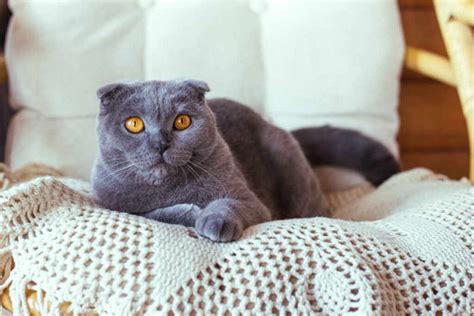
407, 247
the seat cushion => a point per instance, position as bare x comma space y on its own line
301, 63
405, 248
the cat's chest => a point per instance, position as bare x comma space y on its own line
199, 193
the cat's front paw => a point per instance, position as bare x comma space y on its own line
218, 227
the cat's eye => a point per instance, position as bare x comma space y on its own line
182, 122
134, 125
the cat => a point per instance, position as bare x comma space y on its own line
169, 154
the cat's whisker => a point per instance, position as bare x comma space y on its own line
117, 165
116, 162
193, 172
180, 151
119, 168
199, 164
180, 168
211, 174
219, 181
199, 160
114, 173
198, 178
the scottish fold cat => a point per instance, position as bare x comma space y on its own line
167, 153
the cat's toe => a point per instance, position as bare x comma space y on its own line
219, 228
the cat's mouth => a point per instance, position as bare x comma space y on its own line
157, 165
145, 163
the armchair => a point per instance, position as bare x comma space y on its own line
456, 19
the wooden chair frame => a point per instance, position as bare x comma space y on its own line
456, 21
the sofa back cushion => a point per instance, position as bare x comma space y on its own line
300, 63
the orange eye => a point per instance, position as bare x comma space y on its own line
134, 125
182, 122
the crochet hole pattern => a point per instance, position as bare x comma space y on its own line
63, 244
265, 276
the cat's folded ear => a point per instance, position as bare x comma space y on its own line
200, 86
111, 92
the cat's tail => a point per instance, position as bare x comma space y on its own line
327, 145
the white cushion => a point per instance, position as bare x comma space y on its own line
334, 62
67, 144
301, 63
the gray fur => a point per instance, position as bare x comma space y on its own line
229, 170
328, 145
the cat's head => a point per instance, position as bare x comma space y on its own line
148, 129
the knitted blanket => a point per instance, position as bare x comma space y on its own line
407, 247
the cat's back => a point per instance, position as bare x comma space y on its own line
271, 160
240, 126
239, 116
244, 131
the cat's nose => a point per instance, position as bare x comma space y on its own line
162, 147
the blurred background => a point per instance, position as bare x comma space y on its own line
4, 109
432, 132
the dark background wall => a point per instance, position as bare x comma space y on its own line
5, 112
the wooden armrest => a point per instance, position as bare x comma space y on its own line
463, 11
430, 65
3, 70
456, 21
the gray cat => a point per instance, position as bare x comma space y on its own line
169, 155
